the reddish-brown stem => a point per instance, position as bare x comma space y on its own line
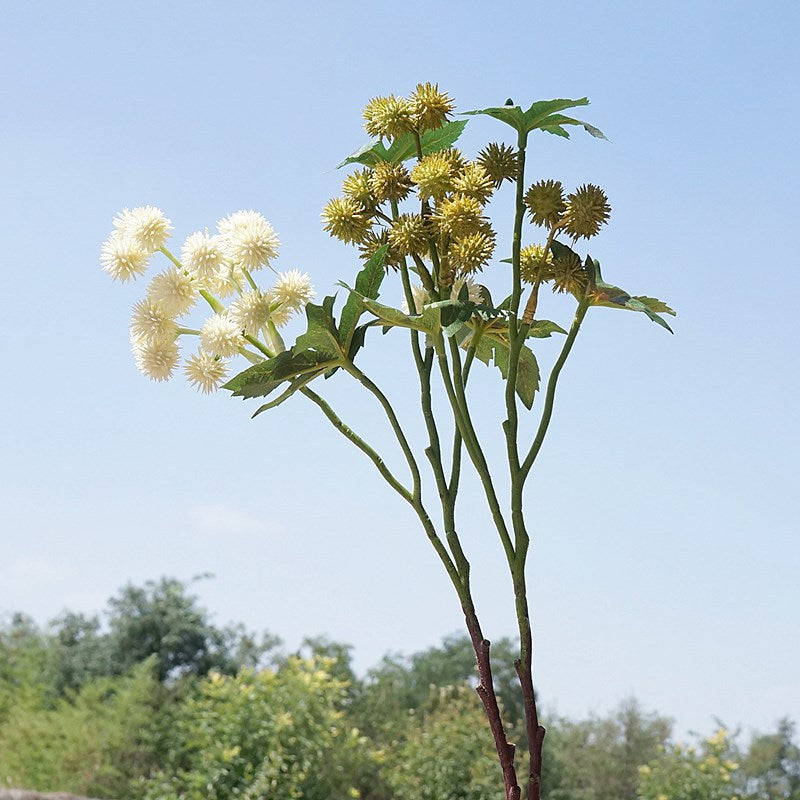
485, 689
534, 730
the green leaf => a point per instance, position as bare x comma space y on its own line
605, 294
539, 112
262, 379
527, 377
369, 155
428, 321
405, 146
543, 328
493, 346
511, 115
294, 385
558, 121
654, 304
541, 115
561, 251
637, 305
368, 283
321, 336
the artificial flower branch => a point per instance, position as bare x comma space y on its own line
446, 240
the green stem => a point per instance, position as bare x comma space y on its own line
171, 257
455, 469
519, 216
350, 434
353, 370
188, 332
411, 497
259, 345
454, 388
253, 284
550, 393
212, 301
433, 451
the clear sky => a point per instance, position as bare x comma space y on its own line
666, 556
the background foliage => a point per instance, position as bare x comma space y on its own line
210, 712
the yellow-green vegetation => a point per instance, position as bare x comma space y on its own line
707, 772
264, 723
272, 733
97, 741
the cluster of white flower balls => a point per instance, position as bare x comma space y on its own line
212, 267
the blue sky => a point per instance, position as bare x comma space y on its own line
666, 554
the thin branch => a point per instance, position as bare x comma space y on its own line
550, 393
365, 448
413, 499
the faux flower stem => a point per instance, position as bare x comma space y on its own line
350, 434
550, 392
171, 257
519, 215
455, 391
212, 301
259, 345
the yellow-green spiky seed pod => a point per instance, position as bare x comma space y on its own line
345, 219
390, 182
456, 159
500, 162
429, 106
533, 265
586, 211
409, 235
545, 202
356, 186
388, 117
373, 241
472, 252
459, 215
569, 275
475, 182
433, 175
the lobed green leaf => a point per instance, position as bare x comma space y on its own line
494, 346
321, 336
295, 385
368, 283
405, 146
262, 379
543, 328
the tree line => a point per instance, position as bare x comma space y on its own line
156, 702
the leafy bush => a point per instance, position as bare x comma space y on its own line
97, 741
270, 734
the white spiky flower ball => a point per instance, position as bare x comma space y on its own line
157, 359
203, 257
420, 297
280, 313
248, 239
146, 225
475, 291
205, 372
149, 323
293, 289
227, 281
221, 336
174, 291
251, 312
123, 258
